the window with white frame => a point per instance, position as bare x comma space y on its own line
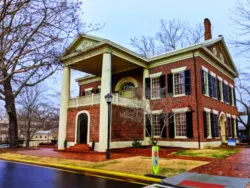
88, 92
179, 83
205, 74
180, 124
155, 89
156, 125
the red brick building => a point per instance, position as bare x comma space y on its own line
183, 98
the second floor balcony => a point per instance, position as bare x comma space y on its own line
116, 100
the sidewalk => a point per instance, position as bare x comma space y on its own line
207, 181
237, 165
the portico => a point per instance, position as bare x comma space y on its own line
100, 59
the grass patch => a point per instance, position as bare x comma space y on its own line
132, 165
209, 153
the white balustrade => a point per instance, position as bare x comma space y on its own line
95, 99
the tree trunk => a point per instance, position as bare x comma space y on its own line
28, 134
11, 111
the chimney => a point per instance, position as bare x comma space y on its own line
207, 27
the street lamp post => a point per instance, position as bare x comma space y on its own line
108, 98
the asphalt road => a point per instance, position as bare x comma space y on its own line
17, 175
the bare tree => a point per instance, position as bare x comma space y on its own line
33, 34
35, 112
242, 20
173, 34
243, 99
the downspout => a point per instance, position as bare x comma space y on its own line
196, 101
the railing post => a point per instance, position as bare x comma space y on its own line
92, 98
117, 100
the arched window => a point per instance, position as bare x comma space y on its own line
127, 89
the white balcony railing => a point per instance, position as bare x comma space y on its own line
95, 99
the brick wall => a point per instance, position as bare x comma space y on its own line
127, 123
94, 85
209, 102
94, 112
136, 74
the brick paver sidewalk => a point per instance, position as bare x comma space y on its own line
237, 165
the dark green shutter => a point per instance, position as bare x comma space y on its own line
210, 85
163, 125
170, 85
148, 126
230, 95
214, 87
171, 131
147, 88
229, 127
212, 124
189, 122
163, 86
205, 124
202, 82
232, 123
216, 127
187, 82
218, 90
224, 91
234, 97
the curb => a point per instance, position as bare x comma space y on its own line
90, 171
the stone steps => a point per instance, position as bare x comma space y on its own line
78, 148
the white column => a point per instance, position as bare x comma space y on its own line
146, 103
64, 103
235, 129
105, 89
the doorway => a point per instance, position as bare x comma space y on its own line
82, 129
223, 129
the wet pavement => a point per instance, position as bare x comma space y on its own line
16, 175
237, 165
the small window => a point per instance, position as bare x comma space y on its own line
180, 124
214, 51
179, 83
88, 92
40, 136
45, 137
155, 87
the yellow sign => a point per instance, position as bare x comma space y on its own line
155, 159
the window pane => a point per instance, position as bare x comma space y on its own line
180, 124
179, 83
156, 125
208, 123
206, 81
155, 87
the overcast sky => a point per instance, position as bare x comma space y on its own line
126, 19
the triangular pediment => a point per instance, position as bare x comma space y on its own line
81, 43
220, 50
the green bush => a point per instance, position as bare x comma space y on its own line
136, 143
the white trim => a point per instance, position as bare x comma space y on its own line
180, 69
155, 75
156, 112
179, 110
215, 112
233, 116
207, 109
231, 86
79, 113
219, 78
82, 81
204, 68
225, 82
212, 74
180, 95
228, 115
88, 89
99, 87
